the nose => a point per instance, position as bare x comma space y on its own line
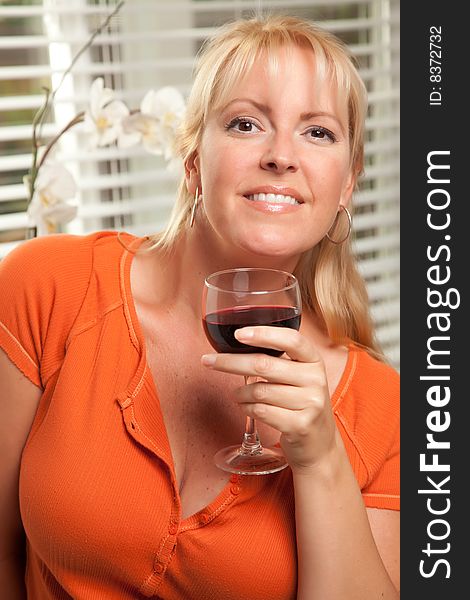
280, 155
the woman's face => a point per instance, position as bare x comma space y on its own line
273, 164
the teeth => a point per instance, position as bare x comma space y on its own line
273, 198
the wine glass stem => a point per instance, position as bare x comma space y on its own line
251, 443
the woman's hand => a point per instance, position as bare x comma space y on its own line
293, 398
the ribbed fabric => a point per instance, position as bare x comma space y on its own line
98, 494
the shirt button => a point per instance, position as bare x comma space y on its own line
235, 489
159, 568
234, 478
173, 528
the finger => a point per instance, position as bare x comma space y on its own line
284, 339
284, 420
283, 396
276, 370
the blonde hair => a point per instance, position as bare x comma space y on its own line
329, 279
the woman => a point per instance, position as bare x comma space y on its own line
118, 495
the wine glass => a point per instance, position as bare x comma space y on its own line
237, 298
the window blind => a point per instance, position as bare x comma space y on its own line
152, 43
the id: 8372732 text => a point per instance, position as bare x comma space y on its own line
435, 65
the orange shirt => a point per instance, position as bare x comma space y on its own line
98, 493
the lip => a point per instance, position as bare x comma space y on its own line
276, 189
270, 207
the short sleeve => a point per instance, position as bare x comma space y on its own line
382, 431
368, 413
43, 282
384, 489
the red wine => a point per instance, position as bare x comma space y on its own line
221, 325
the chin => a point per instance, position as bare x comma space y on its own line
272, 249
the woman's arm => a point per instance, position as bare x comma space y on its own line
338, 558
337, 554
385, 526
18, 401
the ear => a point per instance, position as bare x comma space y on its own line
192, 174
348, 188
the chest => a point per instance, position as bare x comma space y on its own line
100, 509
194, 401
197, 406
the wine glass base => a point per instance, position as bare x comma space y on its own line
261, 462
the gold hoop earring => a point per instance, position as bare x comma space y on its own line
348, 214
194, 208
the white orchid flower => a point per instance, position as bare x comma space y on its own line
48, 207
103, 119
156, 123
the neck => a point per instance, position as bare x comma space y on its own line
174, 281
195, 255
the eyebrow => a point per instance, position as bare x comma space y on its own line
306, 116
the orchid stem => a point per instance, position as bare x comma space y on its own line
41, 115
90, 41
77, 119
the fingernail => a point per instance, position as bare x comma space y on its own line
208, 359
244, 334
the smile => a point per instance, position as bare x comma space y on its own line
272, 198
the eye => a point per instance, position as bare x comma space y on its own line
321, 134
242, 125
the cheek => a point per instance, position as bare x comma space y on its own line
333, 179
219, 173
326, 182
224, 168
219, 166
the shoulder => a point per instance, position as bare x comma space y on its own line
380, 376
45, 285
368, 407
46, 254
64, 262
368, 383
